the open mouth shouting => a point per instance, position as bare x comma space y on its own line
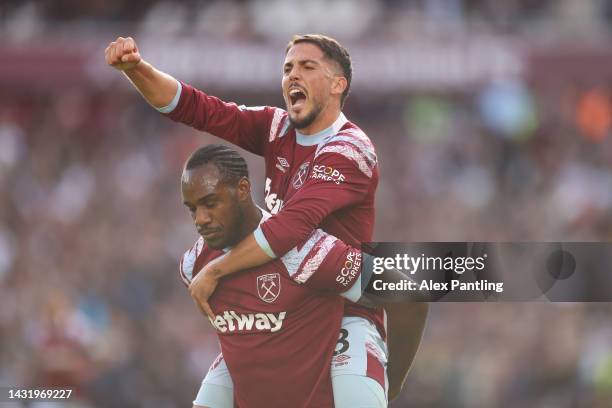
297, 98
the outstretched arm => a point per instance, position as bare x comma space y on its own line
248, 128
158, 88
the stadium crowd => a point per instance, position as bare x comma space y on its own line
265, 19
92, 228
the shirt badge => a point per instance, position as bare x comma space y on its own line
300, 176
268, 287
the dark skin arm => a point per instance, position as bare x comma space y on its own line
406, 323
406, 315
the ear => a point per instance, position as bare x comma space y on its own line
244, 189
339, 84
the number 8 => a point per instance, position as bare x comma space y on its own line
343, 341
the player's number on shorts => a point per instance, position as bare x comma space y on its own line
342, 342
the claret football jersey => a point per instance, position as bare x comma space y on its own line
278, 323
325, 181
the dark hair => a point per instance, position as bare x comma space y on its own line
230, 163
332, 50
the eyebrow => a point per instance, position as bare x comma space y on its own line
202, 199
302, 62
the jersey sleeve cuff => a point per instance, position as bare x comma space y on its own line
354, 293
263, 242
170, 107
359, 287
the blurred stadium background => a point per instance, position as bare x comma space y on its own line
492, 121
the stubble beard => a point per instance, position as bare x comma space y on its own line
308, 120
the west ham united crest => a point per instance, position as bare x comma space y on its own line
300, 177
268, 287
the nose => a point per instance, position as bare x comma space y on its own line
293, 74
202, 217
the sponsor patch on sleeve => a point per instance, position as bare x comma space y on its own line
327, 173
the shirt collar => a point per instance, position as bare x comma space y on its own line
312, 140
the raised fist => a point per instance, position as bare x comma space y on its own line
122, 54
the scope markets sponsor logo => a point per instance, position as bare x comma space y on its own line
350, 269
230, 321
327, 173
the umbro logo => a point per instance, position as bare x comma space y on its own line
341, 358
282, 164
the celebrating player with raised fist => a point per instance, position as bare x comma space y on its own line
321, 172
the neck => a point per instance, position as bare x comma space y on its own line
252, 217
324, 120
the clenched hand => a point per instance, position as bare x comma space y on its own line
122, 54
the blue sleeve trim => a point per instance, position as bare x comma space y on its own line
263, 242
355, 292
169, 108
